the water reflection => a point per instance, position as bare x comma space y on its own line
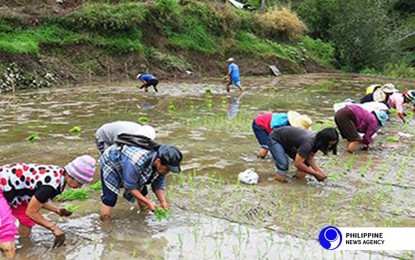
233, 107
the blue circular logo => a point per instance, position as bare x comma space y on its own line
330, 238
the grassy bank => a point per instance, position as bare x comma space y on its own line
165, 36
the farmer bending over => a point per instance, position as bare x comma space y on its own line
124, 165
25, 189
301, 145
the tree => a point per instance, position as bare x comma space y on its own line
363, 33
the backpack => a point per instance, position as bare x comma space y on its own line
136, 140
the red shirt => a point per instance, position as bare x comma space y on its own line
264, 121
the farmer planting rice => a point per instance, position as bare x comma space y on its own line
132, 167
28, 188
301, 145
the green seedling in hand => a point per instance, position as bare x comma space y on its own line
69, 195
162, 213
72, 208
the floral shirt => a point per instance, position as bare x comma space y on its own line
20, 181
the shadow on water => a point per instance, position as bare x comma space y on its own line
214, 216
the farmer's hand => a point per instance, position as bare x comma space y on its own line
64, 212
59, 236
225, 78
151, 206
165, 205
320, 176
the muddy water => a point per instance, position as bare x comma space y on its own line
213, 216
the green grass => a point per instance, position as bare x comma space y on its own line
320, 51
194, 36
249, 43
30, 40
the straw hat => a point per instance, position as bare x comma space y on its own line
388, 88
230, 60
298, 120
138, 76
379, 96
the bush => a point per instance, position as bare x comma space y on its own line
280, 23
107, 18
400, 71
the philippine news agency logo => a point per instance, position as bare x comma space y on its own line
330, 238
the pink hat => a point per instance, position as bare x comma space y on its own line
82, 169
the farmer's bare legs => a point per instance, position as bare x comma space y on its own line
262, 153
24, 231
353, 146
106, 212
8, 249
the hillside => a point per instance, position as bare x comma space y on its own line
78, 41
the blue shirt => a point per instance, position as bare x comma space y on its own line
234, 71
147, 77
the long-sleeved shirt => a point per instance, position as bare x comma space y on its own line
366, 122
396, 101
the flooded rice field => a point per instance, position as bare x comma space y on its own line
213, 215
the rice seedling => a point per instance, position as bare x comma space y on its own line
96, 186
143, 119
334, 176
134, 252
69, 195
180, 239
191, 106
392, 139
349, 163
76, 130
161, 214
171, 107
72, 208
32, 138
208, 90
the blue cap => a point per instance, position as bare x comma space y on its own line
171, 157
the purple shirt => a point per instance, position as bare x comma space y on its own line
366, 122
